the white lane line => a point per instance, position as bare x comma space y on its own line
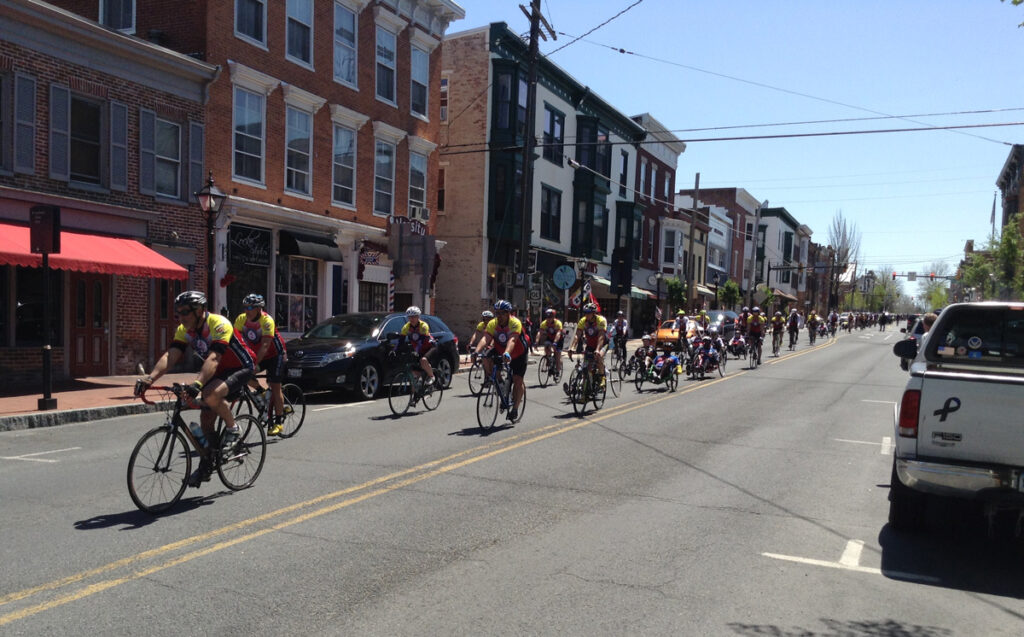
891, 334
902, 575
857, 442
886, 446
884, 402
851, 554
28, 457
362, 402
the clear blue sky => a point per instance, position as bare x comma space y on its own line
916, 197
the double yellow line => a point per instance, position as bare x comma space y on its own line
327, 503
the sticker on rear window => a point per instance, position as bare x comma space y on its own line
974, 342
974, 354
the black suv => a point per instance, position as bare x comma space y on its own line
349, 351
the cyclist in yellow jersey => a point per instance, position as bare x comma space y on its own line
505, 334
551, 328
260, 333
478, 334
756, 325
416, 335
592, 330
228, 363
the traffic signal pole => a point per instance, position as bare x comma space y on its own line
529, 143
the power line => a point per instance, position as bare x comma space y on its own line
570, 43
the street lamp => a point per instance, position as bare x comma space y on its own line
210, 199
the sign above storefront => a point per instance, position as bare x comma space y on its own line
414, 226
249, 246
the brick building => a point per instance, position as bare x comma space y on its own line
109, 129
583, 202
322, 130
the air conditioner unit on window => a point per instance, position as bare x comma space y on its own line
419, 213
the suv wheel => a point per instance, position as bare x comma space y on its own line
368, 381
444, 369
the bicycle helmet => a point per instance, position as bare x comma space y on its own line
755, 309
487, 314
713, 331
778, 313
503, 306
793, 311
549, 312
191, 299
412, 311
254, 300
746, 309
680, 313
589, 308
646, 338
621, 313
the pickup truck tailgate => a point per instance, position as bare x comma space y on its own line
976, 417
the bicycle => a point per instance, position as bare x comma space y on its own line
476, 376
547, 371
255, 404
160, 465
754, 353
496, 396
408, 387
812, 332
793, 335
584, 387
776, 343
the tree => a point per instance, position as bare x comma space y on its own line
935, 292
729, 294
844, 239
1016, 2
997, 269
675, 292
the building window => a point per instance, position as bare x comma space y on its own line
417, 181
440, 189
654, 179
642, 190
248, 162
251, 20
168, 159
624, 176
521, 108
373, 297
344, 44
297, 150
668, 185
668, 247
385, 65
599, 231
638, 230
300, 31
344, 176
118, 14
750, 232
650, 239
6, 123
442, 99
383, 178
420, 73
550, 213
585, 137
554, 136
295, 308
86, 141
603, 152
504, 99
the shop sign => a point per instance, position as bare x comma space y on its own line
414, 226
249, 246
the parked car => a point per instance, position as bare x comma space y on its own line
915, 333
667, 334
349, 352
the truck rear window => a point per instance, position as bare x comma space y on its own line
979, 335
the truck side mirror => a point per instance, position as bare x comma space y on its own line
906, 348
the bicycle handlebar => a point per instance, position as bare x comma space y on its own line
176, 388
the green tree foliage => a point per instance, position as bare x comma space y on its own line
997, 269
676, 293
729, 295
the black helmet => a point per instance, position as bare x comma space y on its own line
191, 298
254, 300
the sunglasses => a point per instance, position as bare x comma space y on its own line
252, 307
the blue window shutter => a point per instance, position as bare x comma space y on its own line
195, 159
25, 125
118, 146
147, 152
60, 132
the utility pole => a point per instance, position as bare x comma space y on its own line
753, 260
691, 278
529, 143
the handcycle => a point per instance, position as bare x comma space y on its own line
656, 376
496, 395
583, 385
160, 465
408, 387
705, 364
257, 404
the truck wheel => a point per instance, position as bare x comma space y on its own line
907, 508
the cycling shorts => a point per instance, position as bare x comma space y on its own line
274, 367
235, 379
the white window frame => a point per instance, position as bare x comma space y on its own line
288, 17
161, 159
668, 183
442, 98
412, 201
642, 190
334, 165
263, 135
261, 43
353, 46
654, 179
413, 50
651, 229
664, 244
393, 67
377, 144
289, 151
130, 30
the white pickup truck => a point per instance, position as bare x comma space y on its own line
960, 422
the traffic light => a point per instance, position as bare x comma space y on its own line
893, 276
932, 276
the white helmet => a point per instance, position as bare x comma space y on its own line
412, 310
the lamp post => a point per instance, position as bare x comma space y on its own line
210, 199
992, 277
657, 279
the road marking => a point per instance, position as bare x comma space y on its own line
384, 484
890, 335
884, 402
28, 457
813, 348
851, 554
850, 561
361, 402
886, 446
857, 442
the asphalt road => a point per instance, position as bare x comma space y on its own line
749, 505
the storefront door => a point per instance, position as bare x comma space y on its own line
89, 346
166, 322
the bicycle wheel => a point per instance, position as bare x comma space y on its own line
638, 378
615, 379
400, 393
522, 405
241, 463
432, 395
721, 365
158, 469
475, 378
487, 402
579, 393
294, 410
598, 392
244, 405
543, 371
673, 380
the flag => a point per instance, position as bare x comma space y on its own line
593, 299
657, 314
576, 299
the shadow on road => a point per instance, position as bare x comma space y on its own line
135, 519
482, 432
846, 627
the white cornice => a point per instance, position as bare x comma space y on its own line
420, 145
295, 96
422, 40
252, 79
348, 117
388, 20
388, 133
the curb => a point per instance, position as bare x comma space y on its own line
68, 416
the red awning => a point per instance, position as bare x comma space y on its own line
89, 253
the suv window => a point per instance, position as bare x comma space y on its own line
393, 325
436, 325
979, 335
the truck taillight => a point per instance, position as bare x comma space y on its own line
910, 408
